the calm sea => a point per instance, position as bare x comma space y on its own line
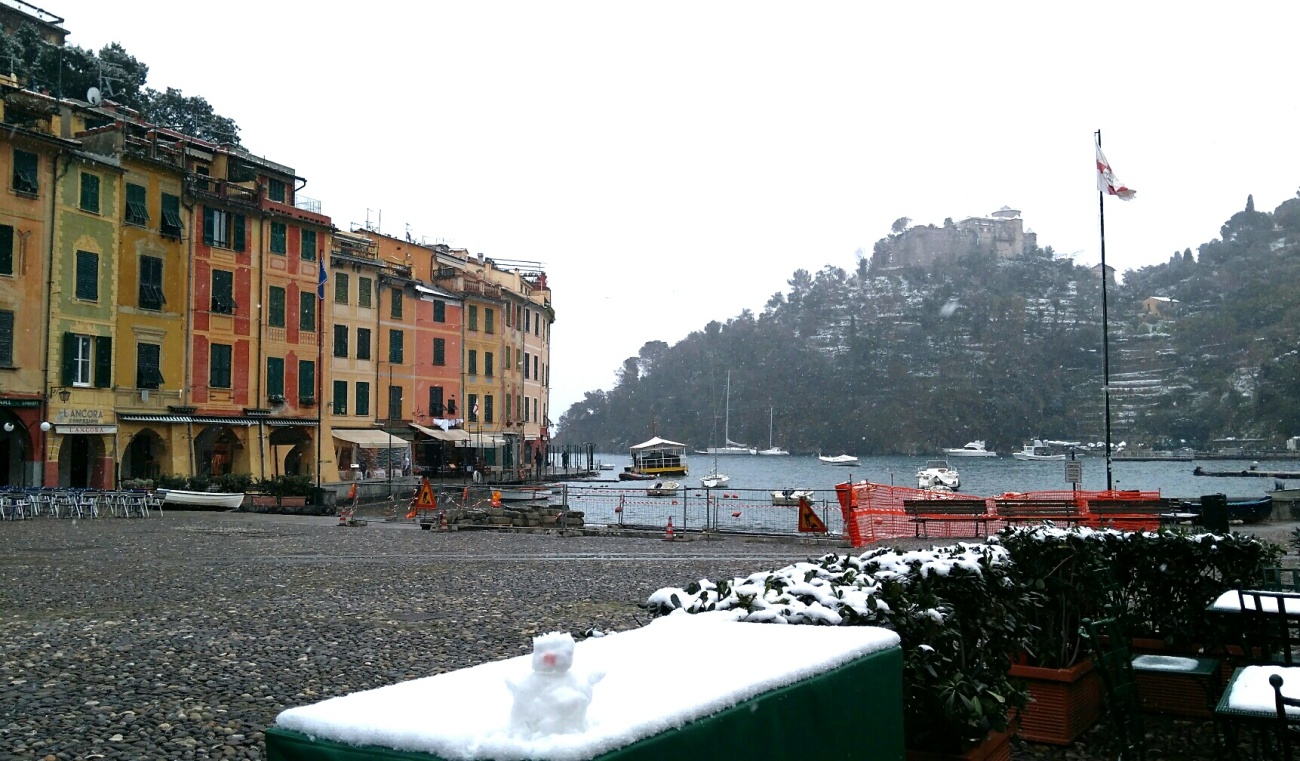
980, 476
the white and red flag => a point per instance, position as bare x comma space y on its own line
1107, 182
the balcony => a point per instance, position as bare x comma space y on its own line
307, 204
145, 399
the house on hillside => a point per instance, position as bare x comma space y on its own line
1001, 234
1159, 306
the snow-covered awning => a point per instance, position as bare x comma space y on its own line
657, 442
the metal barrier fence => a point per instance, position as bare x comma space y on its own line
77, 503
645, 507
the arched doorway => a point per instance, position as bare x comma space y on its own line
292, 451
215, 450
15, 450
143, 456
80, 459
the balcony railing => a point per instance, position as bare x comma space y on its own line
307, 204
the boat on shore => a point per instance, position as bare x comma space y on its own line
1037, 451
1243, 510
971, 449
526, 493
843, 460
178, 499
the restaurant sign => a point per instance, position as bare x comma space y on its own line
76, 416
72, 429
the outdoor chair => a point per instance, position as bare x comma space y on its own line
1269, 626
1281, 579
1288, 722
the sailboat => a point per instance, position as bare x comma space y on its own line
731, 446
771, 450
714, 479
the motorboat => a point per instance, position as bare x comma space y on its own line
715, 480
971, 449
791, 497
730, 447
200, 500
627, 474
937, 474
657, 458
606, 466
663, 489
771, 451
1037, 451
526, 493
844, 460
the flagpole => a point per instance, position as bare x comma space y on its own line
1105, 330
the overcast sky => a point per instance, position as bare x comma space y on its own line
672, 163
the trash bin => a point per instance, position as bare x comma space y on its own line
1214, 513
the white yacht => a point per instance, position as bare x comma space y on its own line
1037, 451
972, 449
937, 474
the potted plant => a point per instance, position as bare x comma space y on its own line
1060, 567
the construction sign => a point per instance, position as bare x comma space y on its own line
808, 520
425, 497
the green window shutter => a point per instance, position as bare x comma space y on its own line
472, 364
90, 192
489, 321
341, 287
340, 397
363, 398
223, 292
340, 340
238, 243
307, 245
275, 377
25, 172
171, 222
147, 361
307, 311
397, 304
219, 366
439, 351
6, 338
87, 276
209, 222
364, 287
69, 358
439, 311
275, 318
137, 205
306, 379
278, 238
487, 364
473, 317
103, 361
435, 401
363, 343
395, 347
6, 249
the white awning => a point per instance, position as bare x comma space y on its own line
451, 434
482, 441
371, 439
658, 443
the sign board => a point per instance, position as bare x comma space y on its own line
73, 429
33, 403
808, 520
425, 497
1074, 471
79, 416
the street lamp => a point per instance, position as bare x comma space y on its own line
45, 427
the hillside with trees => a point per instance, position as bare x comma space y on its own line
909, 359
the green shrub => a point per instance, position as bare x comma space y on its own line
172, 481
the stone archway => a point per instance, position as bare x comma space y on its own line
81, 458
293, 451
15, 450
216, 449
143, 456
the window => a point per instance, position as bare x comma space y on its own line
535, 375
472, 364
148, 371
364, 287
223, 292
394, 402
340, 287
527, 376
275, 190
489, 321
6, 250
275, 307
363, 343
363, 398
137, 208
275, 379
80, 358
340, 340
24, 179
518, 402
90, 192
439, 310
279, 236
439, 351
505, 363
87, 276
487, 408
395, 347
151, 280
219, 366
435, 401
340, 397
216, 227
535, 410
487, 363
528, 320
307, 312
306, 382
471, 411
6, 338
171, 211
473, 317
396, 303
451, 406
307, 245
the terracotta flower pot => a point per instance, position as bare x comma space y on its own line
996, 747
1064, 703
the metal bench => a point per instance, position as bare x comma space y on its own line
1030, 510
922, 511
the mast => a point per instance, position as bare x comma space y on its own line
770, 413
726, 421
1105, 330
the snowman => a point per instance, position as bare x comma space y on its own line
551, 699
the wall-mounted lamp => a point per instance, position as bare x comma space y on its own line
64, 394
45, 426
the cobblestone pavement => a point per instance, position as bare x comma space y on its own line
182, 637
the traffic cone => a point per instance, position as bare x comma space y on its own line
442, 522
668, 532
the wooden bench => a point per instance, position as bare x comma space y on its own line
1130, 513
1032, 510
922, 511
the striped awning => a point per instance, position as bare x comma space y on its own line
200, 419
283, 421
451, 434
